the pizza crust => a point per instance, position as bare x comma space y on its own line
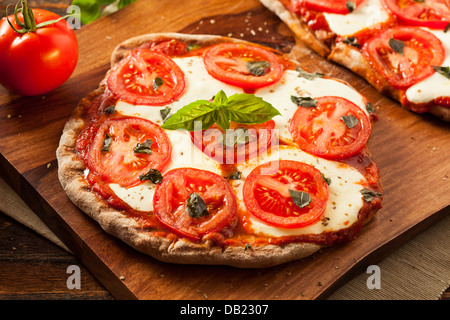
71, 172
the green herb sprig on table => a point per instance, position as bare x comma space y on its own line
93, 9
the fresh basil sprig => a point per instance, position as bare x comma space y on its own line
241, 108
93, 9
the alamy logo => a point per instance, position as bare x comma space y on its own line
374, 280
74, 280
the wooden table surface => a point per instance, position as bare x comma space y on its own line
32, 267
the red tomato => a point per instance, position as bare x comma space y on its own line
335, 6
171, 200
147, 77
36, 62
255, 139
428, 13
171, 47
267, 193
230, 63
420, 50
322, 131
120, 163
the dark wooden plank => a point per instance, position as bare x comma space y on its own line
411, 151
33, 268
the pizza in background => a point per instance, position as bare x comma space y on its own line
199, 149
401, 47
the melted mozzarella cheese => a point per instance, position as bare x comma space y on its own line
435, 85
370, 13
279, 95
345, 199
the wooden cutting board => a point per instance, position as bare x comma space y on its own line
412, 152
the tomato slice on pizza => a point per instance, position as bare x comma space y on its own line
433, 14
285, 193
241, 65
194, 202
404, 55
330, 127
147, 77
335, 6
237, 145
124, 149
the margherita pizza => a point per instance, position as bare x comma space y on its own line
199, 149
401, 47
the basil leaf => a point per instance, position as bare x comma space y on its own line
90, 10
306, 102
397, 45
326, 179
111, 109
222, 118
234, 137
369, 195
144, 147
350, 120
447, 28
300, 198
351, 41
165, 113
257, 68
198, 115
351, 5
445, 71
220, 99
153, 175
249, 109
158, 82
107, 143
235, 175
370, 108
196, 206
241, 108
308, 76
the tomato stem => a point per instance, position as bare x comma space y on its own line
29, 22
28, 17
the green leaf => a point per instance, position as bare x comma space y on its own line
308, 76
369, 195
196, 206
158, 82
222, 118
445, 71
165, 113
257, 68
351, 5
397, 45
235, 175
306, 102
144, 147
249, 109
220, 99
90, 10
107, 143
300, 198
186, 117
241, 108
350, 121
124, 3
351, 41
153, 175
234, 137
